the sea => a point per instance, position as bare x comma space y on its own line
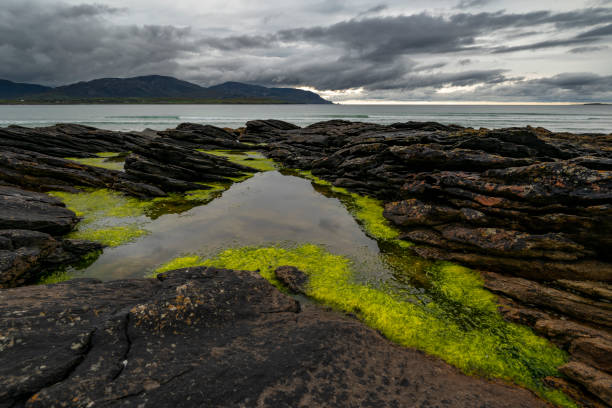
565, 118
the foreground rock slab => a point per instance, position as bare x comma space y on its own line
216, 338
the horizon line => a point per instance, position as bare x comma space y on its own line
518, 103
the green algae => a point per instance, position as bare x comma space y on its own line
107, 217
456, 320
180, 262
106, 160
111, 236
67, 272
251, 159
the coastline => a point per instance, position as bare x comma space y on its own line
475, 197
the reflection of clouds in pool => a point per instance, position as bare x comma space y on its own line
266, 209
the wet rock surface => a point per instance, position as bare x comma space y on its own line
30, 228
160, 162
33, 160
530, 208
69, 140
209, 337
205, 137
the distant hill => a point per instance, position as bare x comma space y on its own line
240, 90
154, 89
13, 90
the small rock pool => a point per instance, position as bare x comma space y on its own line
267, 209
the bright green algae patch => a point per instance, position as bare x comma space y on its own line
108, 217
112, 218
106, 160
456, 319
253, 159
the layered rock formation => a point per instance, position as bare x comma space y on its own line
69, 140
530, 208
216, 338
31, 226
157, 164
204, 137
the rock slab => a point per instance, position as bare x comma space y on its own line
211, 337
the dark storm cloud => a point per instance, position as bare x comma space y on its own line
399, 55
472, 3
87, 10
373, 10
64, 43
583, 50
386, 38
562, 87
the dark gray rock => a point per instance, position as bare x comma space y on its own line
27, 210
26, 255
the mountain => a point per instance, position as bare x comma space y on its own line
157, 89
152, 86
240, 90
12, 90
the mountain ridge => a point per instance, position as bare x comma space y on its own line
153, 88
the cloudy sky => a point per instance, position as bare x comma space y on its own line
416, 50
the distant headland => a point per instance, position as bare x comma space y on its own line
151, 89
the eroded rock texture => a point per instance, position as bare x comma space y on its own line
531, 208
205, 337
158, 162
30, 228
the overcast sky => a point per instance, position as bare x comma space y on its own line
417, 50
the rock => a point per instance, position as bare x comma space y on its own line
25, 255
26, 210
597, 382
264, 130
69, 140
176, 168
595, 351
593, 289
206, 137
533, 293
292, 277
211, 337
40, 172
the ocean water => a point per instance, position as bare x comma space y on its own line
571, 118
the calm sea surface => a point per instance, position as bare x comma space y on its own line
574, 118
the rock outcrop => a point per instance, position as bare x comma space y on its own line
176, 168
216, 338
159, 162
70, 140
530, 208
30, 228
204, 137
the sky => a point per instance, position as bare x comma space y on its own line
460, 51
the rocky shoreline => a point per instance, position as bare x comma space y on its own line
528, 208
